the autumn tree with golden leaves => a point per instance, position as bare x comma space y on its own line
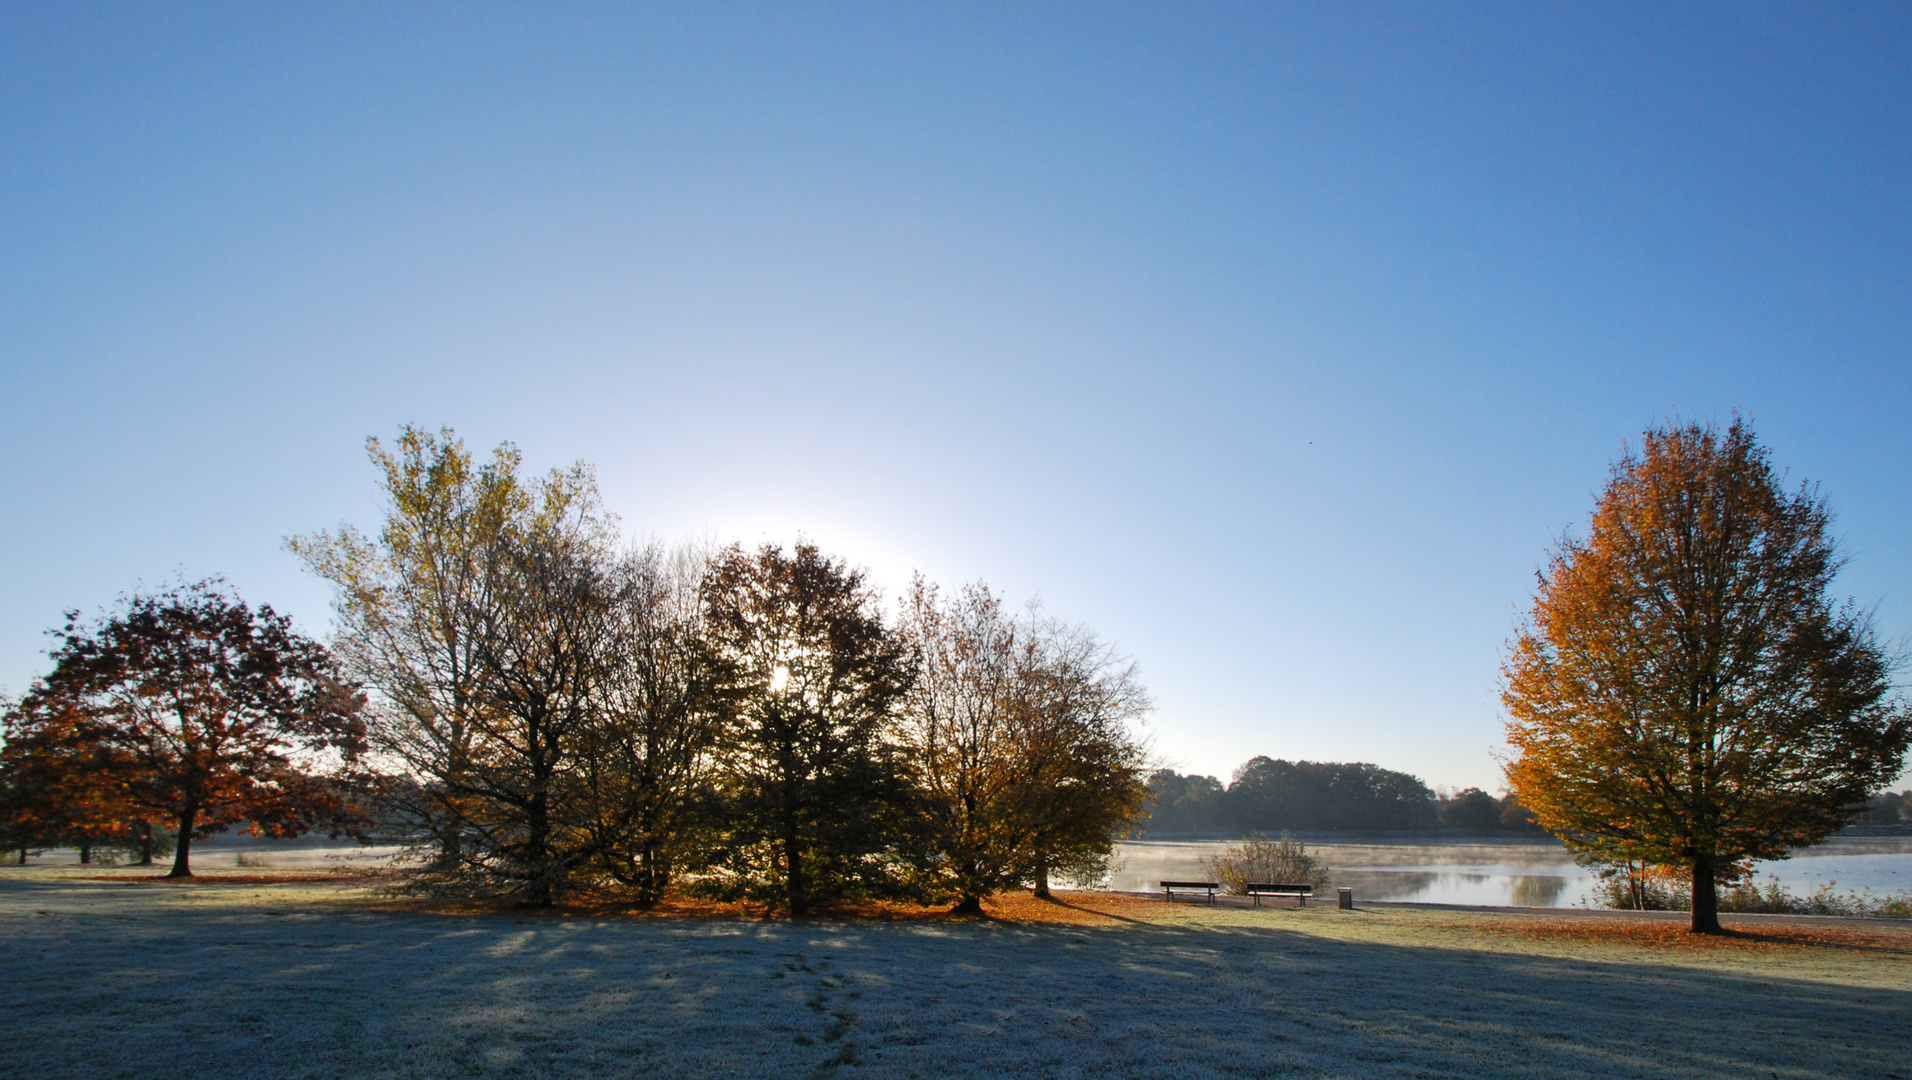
1685, 691
1078, 699
544, 704
962, 735
409, 606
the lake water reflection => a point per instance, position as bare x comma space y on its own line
1519, 873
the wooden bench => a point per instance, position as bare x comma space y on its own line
1169, 887
1300, 891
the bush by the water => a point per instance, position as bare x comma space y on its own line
1750, 898
1660, 889
1259, 860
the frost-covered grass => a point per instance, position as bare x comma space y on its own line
321, 978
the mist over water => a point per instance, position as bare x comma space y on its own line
1515, 873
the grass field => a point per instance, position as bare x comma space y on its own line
246, 978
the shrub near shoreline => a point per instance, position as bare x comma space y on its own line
1258, 859
1747, 897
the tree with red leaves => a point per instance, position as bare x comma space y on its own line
189, 707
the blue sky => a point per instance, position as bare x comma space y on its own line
1275, 342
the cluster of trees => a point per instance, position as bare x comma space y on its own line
1270, 795
1685, 692
1890, 810
1476, 811
538, 710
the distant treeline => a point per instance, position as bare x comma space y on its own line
1888, 811
1268, 795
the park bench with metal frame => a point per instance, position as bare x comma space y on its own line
1300, 891
1169, 887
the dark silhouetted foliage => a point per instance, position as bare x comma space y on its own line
1268, 795
1177, 803
1887, 810
1471, 809
552, 716
1515, 818
810, 768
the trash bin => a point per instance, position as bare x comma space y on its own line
1347, 899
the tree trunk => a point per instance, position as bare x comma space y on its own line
537, 845
1042, 879
797, 891
650, 874
968, 905
86, 853
653, 866
657, 861
1705, 897
182, 853
23, 856
450, 849
145, 842
793, 866
451, 825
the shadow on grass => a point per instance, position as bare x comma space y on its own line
235, 993
1061, 903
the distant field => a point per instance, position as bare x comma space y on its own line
322, 978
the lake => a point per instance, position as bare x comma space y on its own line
1535, 872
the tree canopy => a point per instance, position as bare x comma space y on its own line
1088, 781
543, 702
963, 739
61, 782
1326, 795
810, 768
189, 707
1472, 809
1685, 691
408, 603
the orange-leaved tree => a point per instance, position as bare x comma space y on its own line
189, 707
1685, 692
1076, 702
963, 741
1018, 735
64, 784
